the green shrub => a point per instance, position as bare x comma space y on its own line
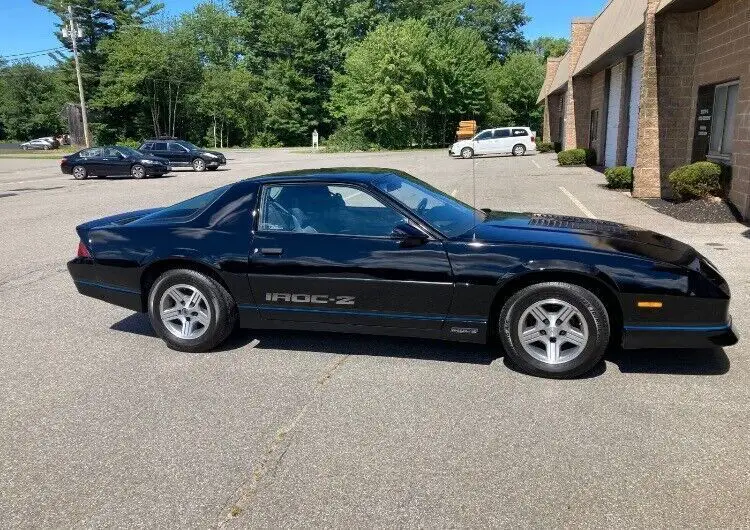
266, 139
545, 147
572, 157
701, 179
348, 138
134, 144
577, 157
619, 177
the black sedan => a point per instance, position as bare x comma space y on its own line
181, 153
379, 251
115, 160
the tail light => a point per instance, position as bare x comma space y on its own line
83, 252
533, 139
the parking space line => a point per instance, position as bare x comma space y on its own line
578, 203
534, 162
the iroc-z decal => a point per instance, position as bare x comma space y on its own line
300, 298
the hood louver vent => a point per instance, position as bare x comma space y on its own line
574, 223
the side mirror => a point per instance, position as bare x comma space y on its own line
409, 235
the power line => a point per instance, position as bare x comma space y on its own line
37, 52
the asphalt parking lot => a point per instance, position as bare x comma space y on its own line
102, 425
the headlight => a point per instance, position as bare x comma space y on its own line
150, 162
210, 155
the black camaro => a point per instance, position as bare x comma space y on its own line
379, 251
113, 160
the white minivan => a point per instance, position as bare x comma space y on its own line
516, 141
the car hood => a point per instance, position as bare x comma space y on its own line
583, 233
207, 152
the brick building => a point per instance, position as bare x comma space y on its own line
656, 84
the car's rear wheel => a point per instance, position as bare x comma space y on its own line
554, 329
519, 150
199, 164
138, 171
191, 311
79, 172
467, 152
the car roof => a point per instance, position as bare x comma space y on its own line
338, 174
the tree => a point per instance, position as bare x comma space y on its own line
514, 89
498, 22
149, 69
31, 101
550, 46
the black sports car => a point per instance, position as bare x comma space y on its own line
113, 160
379, 251
184, 154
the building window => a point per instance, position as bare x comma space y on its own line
722, 122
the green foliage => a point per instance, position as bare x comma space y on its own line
577, 157
619, 177
398, 72
545, 147
550, 47
265, 139
347, 138
31, 101
130, 142
515, 85
698, 180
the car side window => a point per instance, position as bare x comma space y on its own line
325, 209
501, 133
176, 148
486, 135
111, 153
91, 153
148, 146
520, 132
160, 146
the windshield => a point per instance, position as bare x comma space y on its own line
129, 151
441, 211
188, 145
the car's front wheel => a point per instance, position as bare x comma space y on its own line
191, 311
467, 152
199, 164
554, 329
138, 171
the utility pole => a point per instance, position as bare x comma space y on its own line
74, 33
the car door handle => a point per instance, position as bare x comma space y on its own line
271, 251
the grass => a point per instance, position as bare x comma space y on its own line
52, 154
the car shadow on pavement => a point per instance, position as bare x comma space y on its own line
337, 343
656, 361
703, 361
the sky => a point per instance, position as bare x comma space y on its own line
29, 28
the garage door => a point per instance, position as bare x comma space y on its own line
635, 103
613, 114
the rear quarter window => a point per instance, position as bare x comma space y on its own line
520, 132
185, 210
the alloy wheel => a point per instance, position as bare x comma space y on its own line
79, 172
138, 171
553, 331
185, 311
199, 164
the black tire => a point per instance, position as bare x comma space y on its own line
79, 173
198, 164
518, 150
137, 171
467, 152
588, 306
223, 310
